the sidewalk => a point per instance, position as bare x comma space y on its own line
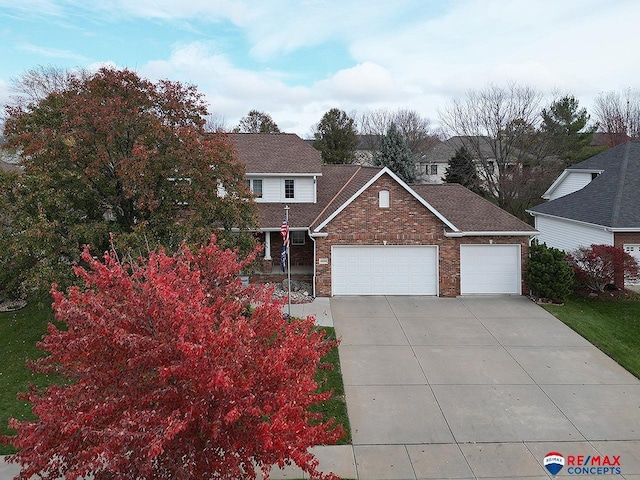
320, 307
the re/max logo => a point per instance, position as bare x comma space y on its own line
594, 461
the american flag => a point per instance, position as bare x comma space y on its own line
284, 231
283, 259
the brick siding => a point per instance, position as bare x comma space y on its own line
405, 222
619, 241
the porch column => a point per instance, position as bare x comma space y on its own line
267, 245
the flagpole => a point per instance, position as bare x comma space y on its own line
286, 216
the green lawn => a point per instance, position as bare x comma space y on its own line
612, 325
336, 406
19, 332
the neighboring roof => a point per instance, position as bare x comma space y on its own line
444, 151
468, 211
611, 199
368, 141
276, 153
606, 139
9, 167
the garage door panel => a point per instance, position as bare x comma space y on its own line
490, 269
384, 270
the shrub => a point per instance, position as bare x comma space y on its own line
599, 266
550, 276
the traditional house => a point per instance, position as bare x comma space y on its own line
360, 230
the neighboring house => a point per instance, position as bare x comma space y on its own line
594, 202
360, 230
9, 167
367, 145
432, 166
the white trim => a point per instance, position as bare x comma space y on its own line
546, 195
277, 229
283, 174
624, 230
491, 234
402, 184
602, 227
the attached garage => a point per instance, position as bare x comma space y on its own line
384, 270
634, 251
490, 269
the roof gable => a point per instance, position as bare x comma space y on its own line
611, 199
323, 222
276, 153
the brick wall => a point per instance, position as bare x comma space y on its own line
406, 222
619, 240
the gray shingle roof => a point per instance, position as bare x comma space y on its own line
612, 199
468, 211
464, 209
444, 151
276, 153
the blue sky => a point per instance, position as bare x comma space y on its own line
297, 59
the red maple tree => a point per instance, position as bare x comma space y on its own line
173, 369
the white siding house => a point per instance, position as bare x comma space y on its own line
569, 182
594, 202
277, 189
567, 236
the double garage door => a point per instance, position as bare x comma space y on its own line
413, 270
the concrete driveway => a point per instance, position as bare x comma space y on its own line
478, 387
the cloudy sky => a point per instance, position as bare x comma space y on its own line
297, 59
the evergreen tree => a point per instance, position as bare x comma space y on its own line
396, 155
565, 125
336, 137
462, 170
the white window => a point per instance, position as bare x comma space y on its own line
383, 199
491, 168
432, 169
289, 189
255, 186
298, 237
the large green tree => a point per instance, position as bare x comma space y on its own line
336, 137
112, 153
462, 170
257, 122
395, 154
565, 125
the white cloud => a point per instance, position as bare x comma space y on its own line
405, 53
51, 52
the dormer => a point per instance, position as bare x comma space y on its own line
571, 180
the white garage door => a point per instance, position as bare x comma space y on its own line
384, 270
634, 251
490, 269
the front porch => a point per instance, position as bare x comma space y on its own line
301, 262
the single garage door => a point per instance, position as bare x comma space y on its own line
634, 251
384, 270
490, 269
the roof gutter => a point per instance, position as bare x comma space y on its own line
527, 233
594, 225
